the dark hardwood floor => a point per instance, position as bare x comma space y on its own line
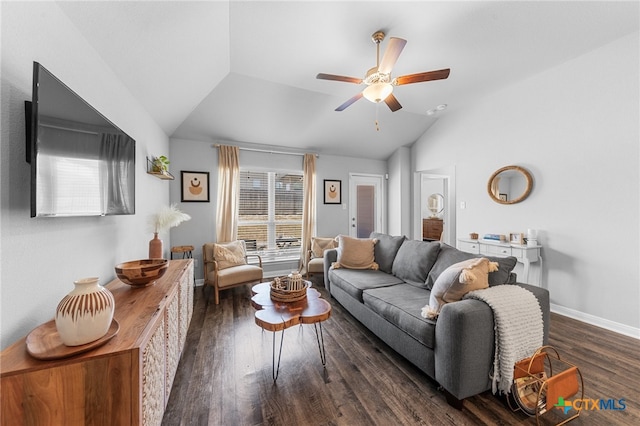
225, 375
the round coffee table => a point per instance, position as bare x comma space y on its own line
278, 316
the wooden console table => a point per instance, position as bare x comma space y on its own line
125, 382
523, 253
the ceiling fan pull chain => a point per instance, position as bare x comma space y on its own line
377, 125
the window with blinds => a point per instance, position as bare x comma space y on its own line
270, 213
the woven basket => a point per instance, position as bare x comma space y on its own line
279, 294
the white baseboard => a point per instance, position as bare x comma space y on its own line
597, 321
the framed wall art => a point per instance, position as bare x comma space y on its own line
194, 187
332, 191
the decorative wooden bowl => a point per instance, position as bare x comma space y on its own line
141, 273
281, 292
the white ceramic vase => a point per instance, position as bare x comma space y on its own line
85, 314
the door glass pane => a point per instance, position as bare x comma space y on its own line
366, 212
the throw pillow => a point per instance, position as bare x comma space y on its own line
386, 249
320, 244
450, 255
355, 253
414, 261
456, 281
229, 254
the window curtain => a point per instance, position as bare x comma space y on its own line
228, 193
308, 208
495, 186
116, 153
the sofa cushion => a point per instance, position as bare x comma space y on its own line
354, 281
356, 253
414, 261
400, 305
386, 249
456, 281
448, 256
230, 277
320, 244
229, 254
315, 265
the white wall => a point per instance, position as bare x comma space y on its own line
41, 257
399, 192
575, 127
201, 156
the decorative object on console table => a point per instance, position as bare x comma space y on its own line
332, 191
155, 247
516, 238
194, 187
141, 273
167, 217
85, 314
532, 237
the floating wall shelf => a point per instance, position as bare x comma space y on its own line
160, 174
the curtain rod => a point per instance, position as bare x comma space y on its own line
268, 151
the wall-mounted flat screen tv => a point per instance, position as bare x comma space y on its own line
81, 163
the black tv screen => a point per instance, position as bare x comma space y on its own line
81, 163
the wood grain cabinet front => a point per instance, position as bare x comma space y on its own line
127, 381
432, 228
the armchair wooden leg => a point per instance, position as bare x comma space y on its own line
216, 296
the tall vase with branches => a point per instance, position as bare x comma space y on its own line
168, 217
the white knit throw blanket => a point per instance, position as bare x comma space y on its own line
518, 329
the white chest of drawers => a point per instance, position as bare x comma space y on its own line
524, 254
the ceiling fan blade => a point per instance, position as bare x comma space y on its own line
392, 103
423, 76
391, 54
349, 102
322, 76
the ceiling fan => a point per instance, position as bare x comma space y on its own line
378, 79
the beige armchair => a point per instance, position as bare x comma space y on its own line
315, 256
225, 266
315, 265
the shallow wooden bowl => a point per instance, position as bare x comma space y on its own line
141, 273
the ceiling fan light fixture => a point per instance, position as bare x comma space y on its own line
377, 92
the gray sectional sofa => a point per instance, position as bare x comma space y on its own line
457, 349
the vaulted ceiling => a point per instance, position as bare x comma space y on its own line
244, 71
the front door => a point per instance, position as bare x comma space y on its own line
365, 200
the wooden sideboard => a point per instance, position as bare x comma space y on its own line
127, 381
432, 228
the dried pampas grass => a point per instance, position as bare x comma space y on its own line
167, 217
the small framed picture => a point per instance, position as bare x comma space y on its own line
503, 197
332, 191
516, 238
194, 187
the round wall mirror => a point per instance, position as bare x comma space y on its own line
510, 185
435, 203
